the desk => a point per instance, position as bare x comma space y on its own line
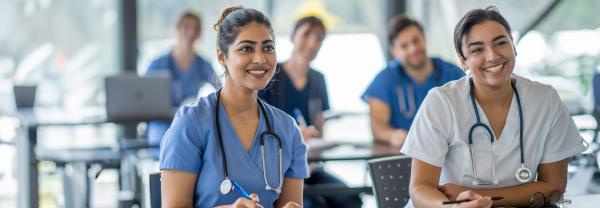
583, 201
340, 151
28, 193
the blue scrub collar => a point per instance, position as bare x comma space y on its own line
396, 65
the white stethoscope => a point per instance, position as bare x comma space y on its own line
227, 184
406, 93
523, 174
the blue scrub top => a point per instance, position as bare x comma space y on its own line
191, 145
183, 85
392, 79
311, 100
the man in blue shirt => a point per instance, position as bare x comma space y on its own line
397, 91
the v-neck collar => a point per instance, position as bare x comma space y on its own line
236, 138
178, 70
290, 83
511, 128
508, 130
431, 79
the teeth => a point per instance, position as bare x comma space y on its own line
257, 72
494, 69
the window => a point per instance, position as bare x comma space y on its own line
63, 47
561, 51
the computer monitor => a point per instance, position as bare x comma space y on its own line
130, 98
24, 96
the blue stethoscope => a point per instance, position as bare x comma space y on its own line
406, 93
226, 184
523, 174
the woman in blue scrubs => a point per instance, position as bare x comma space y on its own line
300, 91
226, 126
187, 70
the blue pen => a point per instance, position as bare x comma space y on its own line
241, 191
299, 117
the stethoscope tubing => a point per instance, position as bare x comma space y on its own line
263, 135
406, 92
490, 133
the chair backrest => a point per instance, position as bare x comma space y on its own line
596, 91
24, 96
155, 190
390, 177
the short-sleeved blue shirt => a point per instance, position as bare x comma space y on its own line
191, 145
393, 87
311, 101
183, 85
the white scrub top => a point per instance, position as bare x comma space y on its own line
439, 134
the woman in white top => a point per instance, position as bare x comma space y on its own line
491, 133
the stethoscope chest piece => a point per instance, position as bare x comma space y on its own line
523, 174
226, 186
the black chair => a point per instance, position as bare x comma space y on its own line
24, 96
390, 177
155, 190
596, 111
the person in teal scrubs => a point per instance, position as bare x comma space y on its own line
231, 136
187, 70
396, 93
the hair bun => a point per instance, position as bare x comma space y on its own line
224, 14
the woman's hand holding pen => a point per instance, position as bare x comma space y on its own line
308, 132
247, 203
477, 201
451, 191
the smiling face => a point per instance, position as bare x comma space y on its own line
489, 54
409, 46
250, 59
307, 41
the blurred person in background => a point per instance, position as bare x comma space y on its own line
300, 91
397, 91
188, 71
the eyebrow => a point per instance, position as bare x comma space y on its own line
481, 43
498, 38
251, 42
